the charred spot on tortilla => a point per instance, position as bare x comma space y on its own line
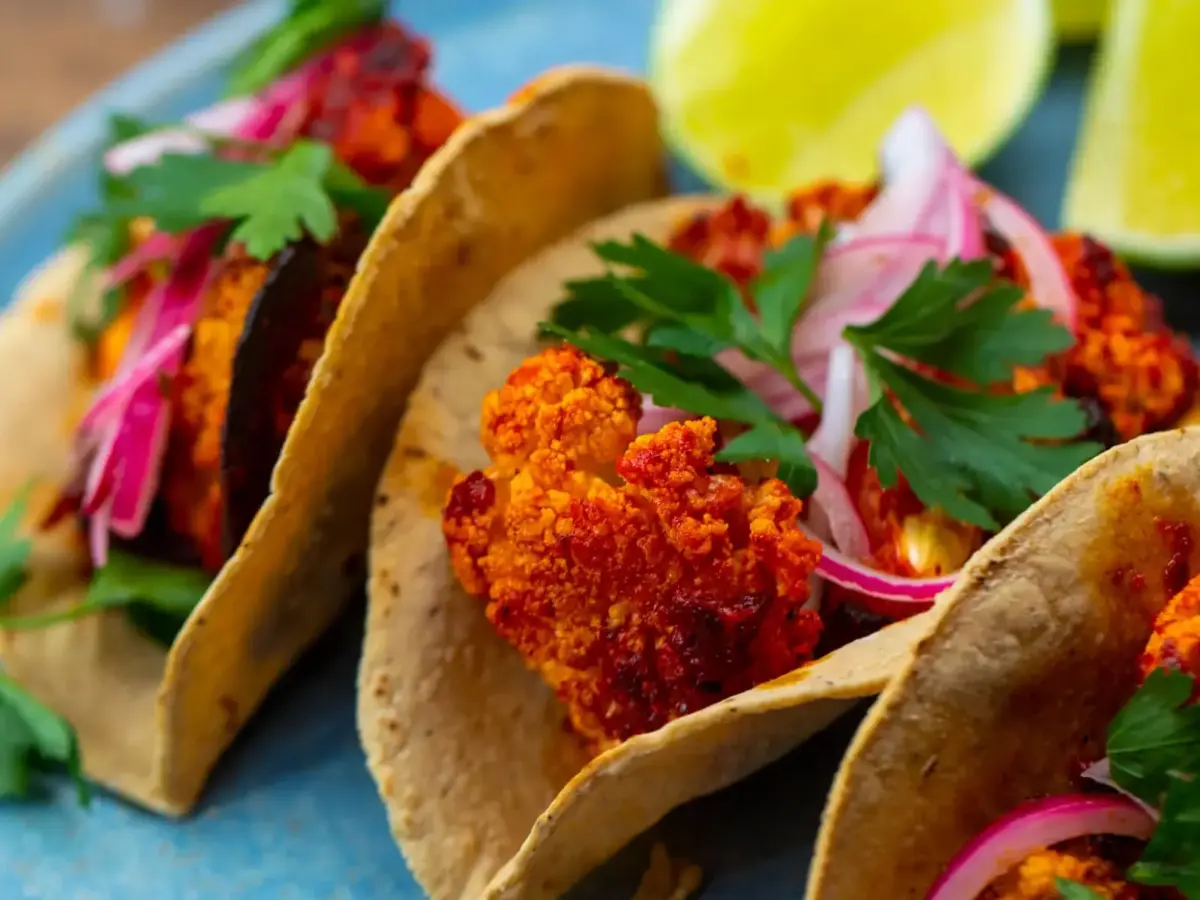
280, 344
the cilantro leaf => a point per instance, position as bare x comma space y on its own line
684, 340
33, 738
1172, 856
782, 289
773, 441
590, 304
671, 287
668, 287
309, 27
954, 320
349, 191
991, 338
669, 282
702, 387
171, 190
1156, 736
132, 583
270, 202
1073, 890
691, 314
650, 374
105, 239
275, 206
972, 451
125, 127
14, 550
894, 445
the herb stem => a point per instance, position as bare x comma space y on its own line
786, 366
801, 385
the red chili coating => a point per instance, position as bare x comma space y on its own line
371, 101
1175, 642
640, 600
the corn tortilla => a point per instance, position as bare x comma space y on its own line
487, 794
1035, 650
152, 723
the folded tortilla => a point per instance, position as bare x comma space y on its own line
152, 723
1035, 650
487, 793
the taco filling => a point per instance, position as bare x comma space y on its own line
166, 436
641, 583
216, 265
766, 437
1129, 831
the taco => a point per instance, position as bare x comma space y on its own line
627, 570
1044, 741
196, 476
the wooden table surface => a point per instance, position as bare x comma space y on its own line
54, 53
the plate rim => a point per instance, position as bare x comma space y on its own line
81, 131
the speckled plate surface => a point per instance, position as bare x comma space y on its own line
291, 812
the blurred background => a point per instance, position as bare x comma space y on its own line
55, 53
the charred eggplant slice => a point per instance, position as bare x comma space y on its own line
280, 344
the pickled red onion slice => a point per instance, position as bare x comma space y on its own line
844, 398
1032, 827
832, 510
123, 477
221, 119
857, 283
1048, 282
117, 392
912, 595
157, 247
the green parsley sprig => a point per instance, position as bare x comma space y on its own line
690, 313
1153, 747
14, 546
308, 27
104, 238
1155, 734
132, 583
157, 598
32, 736
33, 739
1154, 753
980, 454
972, 452
1073, 890
270, 203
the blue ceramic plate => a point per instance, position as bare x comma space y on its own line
291, 812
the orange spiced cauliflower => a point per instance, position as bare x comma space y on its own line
732, 238
1144, 375
1125, 359
1175, 641
641, 585
1035, 878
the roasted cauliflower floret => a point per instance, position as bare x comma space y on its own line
1144, 375
1035, 878
733, 237
640, 585
1175, 641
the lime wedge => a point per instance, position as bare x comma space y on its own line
766, 95
1079, 20
1135, 179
